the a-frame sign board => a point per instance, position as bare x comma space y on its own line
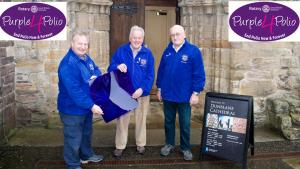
228, 131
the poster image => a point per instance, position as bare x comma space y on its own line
225, 123
239, 125
212, 120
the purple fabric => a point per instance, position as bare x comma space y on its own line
124, 81
100, 90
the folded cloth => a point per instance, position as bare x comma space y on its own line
112, 92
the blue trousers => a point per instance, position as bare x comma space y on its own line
184, 112
77, 138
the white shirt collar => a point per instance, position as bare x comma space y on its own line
135, 52
178, 47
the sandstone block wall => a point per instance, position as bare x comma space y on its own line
7, 90
37, 61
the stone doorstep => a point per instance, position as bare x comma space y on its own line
104, 137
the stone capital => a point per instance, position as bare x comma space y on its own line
186, 3
94, 2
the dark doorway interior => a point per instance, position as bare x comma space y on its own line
126, 13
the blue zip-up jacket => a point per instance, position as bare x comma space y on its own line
180, 73
140, 68
74, 93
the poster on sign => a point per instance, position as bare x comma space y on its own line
227, 131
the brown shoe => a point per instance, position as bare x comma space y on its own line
118, 152
140, 149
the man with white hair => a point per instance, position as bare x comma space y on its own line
180, 79
138, 61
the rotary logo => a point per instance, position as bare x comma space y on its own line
184, 58
143, 62
34, 9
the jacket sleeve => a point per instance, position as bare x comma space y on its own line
70, 78
160, 71
198, 74
115, 61
148, 81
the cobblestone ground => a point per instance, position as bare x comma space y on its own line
268, 155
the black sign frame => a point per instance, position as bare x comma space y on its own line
248, 137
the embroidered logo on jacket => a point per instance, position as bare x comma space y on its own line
184, 58
143, 62
91, 66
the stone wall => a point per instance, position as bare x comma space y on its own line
7, 90
267, 71
37, 61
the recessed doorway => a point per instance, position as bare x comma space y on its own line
158, 20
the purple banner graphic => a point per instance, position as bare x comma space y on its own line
264, 21
32, 21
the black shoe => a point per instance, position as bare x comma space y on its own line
140, 149
118, 153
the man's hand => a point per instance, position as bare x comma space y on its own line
122, 67
158, 94
194, 99
137, 93
92, 79
97, 110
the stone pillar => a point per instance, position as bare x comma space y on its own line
7, 90
93, 15
206, 26
37, 61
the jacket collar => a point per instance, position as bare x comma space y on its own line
75, 56
185, 43
143, 49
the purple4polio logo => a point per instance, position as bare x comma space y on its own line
33, 21
263, 21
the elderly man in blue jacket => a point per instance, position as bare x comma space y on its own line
75, 72
138, 61
180, 79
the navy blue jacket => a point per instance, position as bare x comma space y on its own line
74, 94
140, 68
180, 73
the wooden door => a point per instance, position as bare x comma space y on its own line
124, 14
158, 21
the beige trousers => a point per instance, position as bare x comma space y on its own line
140, 124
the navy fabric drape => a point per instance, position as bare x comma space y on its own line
100, 93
